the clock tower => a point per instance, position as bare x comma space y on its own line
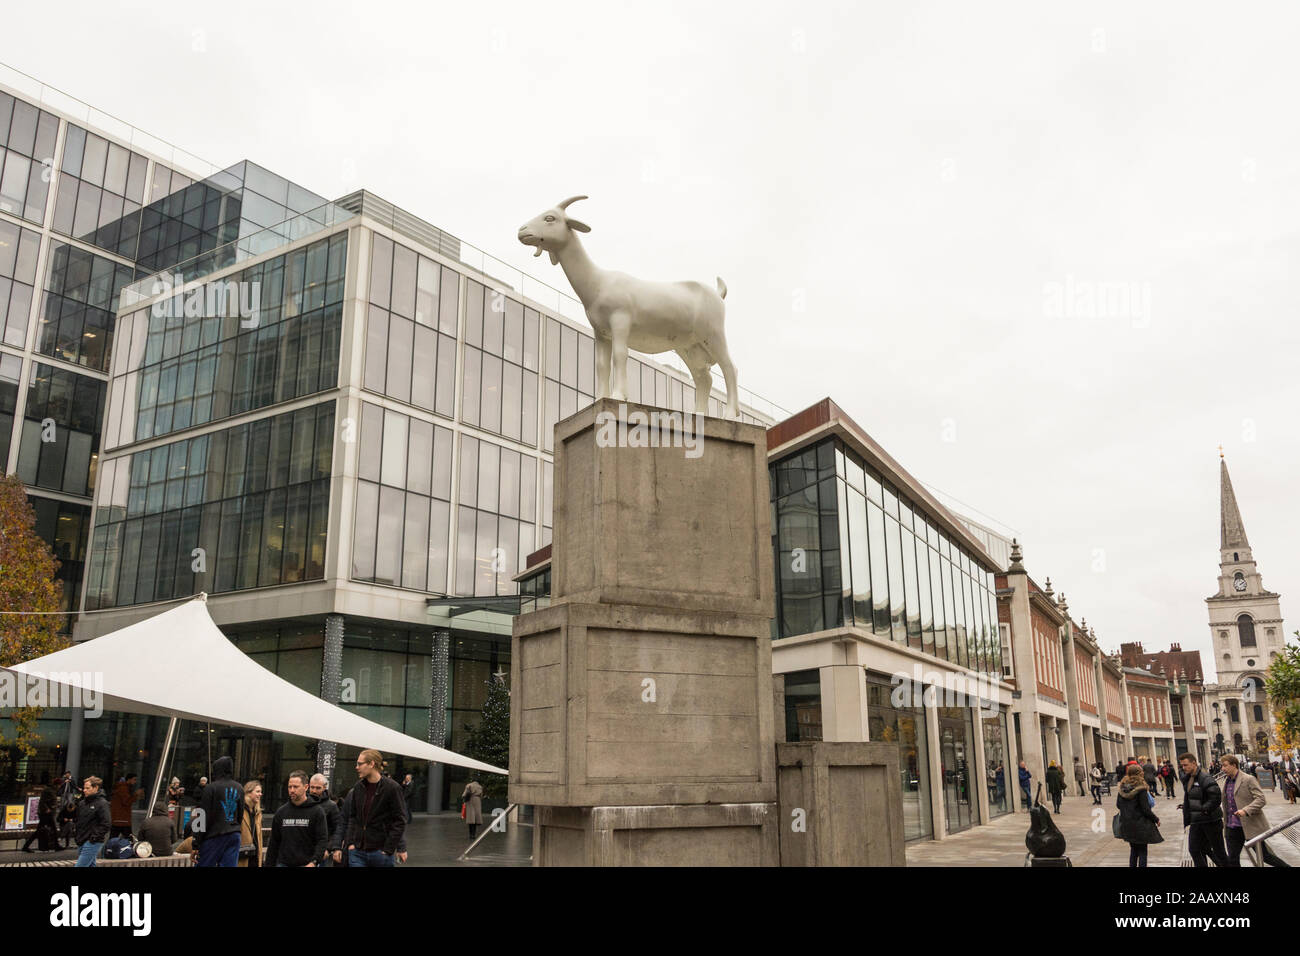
1246, 633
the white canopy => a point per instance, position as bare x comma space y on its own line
178, 664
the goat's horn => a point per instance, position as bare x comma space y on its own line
571, 199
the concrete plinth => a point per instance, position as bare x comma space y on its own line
618, 705
840, 804
641, 705
736, 834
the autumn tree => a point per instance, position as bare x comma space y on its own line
1283, 688
27, 584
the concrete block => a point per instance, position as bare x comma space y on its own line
741, 834
681, 525
618, 706
840, 804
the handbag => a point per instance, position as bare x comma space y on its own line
1114, 826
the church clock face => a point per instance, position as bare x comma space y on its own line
1239, 583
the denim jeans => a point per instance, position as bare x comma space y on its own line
220, 850
370, 858
87, 853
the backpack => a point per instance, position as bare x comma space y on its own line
119, 848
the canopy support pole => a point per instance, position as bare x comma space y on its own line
162, 767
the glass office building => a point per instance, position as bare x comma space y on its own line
332, 417
876, 576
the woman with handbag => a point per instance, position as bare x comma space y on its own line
471, 810
250, 828
1136, 823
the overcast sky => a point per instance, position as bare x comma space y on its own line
1047, 257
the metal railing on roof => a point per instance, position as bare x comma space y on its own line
42, 94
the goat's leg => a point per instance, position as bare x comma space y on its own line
733, 387
603, 348
700, 365
620, 323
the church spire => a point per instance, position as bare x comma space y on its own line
1232, 532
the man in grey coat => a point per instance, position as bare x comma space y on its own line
1243, 813
1079, 775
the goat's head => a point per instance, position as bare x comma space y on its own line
552, 229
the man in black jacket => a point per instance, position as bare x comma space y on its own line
1202, 813
299, 833
217, 833
319, 794
376, 823
93, 822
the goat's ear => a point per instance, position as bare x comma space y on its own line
576, 225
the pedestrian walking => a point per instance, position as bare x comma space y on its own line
1243, 818
1079, 774
374, 818
299, 833
94, 820
157, 830
1202, 814
125, 794
318, 792
1149, 773
46, 834
1055, 784
1138, 824
472, 806
408, 792
250, 827
1098, 774
222, 806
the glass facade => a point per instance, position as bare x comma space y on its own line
27, 137
403, 503
179, 366
850, 550
495, 521
67, 527
187, 220
79, 306
501, 365
101, 191
904, 727
19, 249
11, 371
254, 498
60, 439
411, 329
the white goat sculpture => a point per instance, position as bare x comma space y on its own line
626, 312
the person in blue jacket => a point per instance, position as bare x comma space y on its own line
1024, 784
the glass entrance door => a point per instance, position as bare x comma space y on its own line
955, 742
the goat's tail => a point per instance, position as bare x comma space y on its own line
722, 288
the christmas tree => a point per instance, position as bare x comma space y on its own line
490, 740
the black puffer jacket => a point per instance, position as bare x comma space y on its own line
93, 819
1202, 799
1137, 821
